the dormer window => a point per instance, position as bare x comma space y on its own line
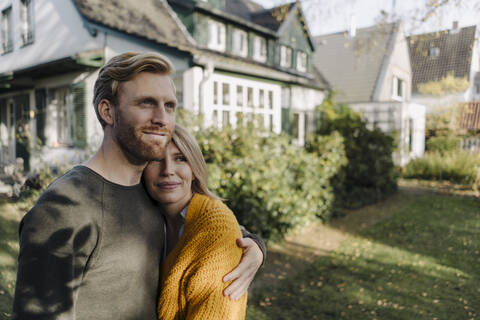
259, 49
434, 52
26, 21
216, 35
398, 89
239, 42
301, 61
285, 56
7, 40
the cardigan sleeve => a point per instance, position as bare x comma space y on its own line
219, 256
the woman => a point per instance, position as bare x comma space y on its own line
201, 233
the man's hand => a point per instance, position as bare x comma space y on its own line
244, 273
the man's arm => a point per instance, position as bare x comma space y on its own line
55, 244
253, 257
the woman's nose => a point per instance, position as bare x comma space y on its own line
168, 167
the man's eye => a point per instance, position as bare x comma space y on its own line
170, 105
147, 102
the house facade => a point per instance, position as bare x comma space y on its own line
225, 64
447, 53
370, 70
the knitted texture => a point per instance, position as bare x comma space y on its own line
192, 273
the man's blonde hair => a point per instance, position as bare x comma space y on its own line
189, 147
123, 68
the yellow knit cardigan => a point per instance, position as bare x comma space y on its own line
192, 272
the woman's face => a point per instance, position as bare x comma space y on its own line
169, 181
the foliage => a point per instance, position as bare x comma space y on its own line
446, 85
456, 166
407, 267
370, 174
443, 144
271, 185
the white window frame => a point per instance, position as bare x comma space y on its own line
239, 42
434, 52
7, 32
61, 99
286, 56
216, 35
301, 61
259, 49
26, 22
395, 93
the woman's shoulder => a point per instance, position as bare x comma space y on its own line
210, 212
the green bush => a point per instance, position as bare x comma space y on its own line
370, 174
460, 167
443, 144
271, 185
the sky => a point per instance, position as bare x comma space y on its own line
328, 16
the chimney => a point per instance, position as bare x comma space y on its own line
353, 27
455, 25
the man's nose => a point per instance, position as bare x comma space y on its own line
159, 115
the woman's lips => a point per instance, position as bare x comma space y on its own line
168, 185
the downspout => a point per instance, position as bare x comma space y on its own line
207, 74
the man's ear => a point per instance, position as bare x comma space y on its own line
106, 111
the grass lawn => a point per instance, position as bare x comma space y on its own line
422, 262
415, 256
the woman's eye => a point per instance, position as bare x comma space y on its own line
181, 159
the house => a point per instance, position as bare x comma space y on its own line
369, 69
448, 54
227, 62
251, 61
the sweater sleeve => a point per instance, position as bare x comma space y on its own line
219, 256
56, 242
258, 240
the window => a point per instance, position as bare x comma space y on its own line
26, 21
239, 96
260, 49
271, 123
7, 41
301, 61
270, 99
215, 92
398, 89
239, 43
226, 118
215, 117
250, 97
225, 94
261, 97
434, 52
216, 35
296, 126
285, 56
61, 101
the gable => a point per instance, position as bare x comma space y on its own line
352, 65
293, 32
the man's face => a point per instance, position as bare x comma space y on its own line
145, 116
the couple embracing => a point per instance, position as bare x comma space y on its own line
134, 232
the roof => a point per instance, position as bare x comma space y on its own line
352, 65
272, 18
150, 19
469, 116
243, 8
455, 55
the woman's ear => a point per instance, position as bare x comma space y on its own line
106, 111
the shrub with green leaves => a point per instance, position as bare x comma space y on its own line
271, 185
459, 166
443, 144
370, 174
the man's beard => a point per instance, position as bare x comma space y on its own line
136, 147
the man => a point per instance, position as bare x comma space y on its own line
91, 246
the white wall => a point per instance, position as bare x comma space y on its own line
58, 33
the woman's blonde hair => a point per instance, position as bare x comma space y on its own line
189, 147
